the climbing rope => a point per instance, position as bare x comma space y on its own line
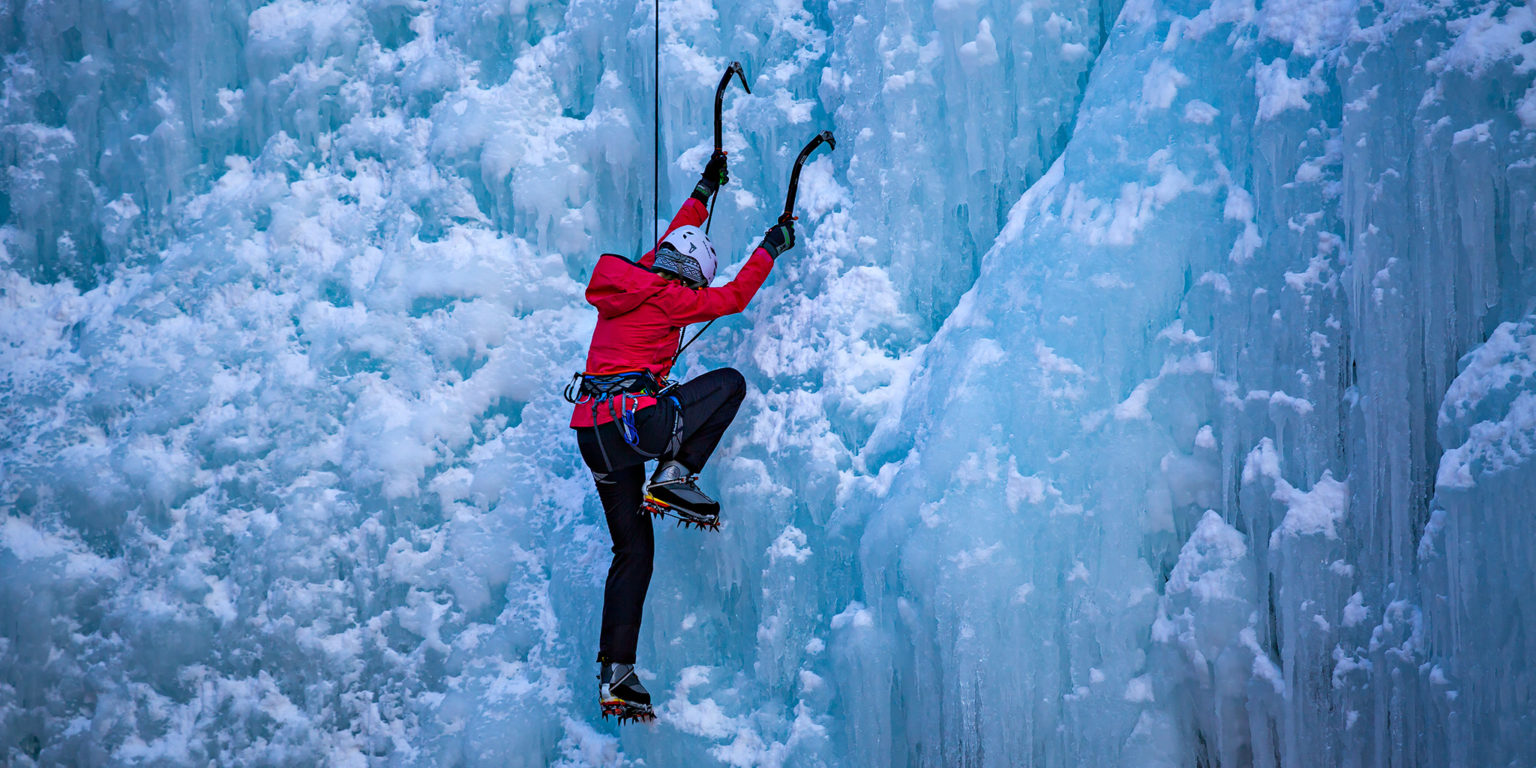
681, 348
656, 149
656, 176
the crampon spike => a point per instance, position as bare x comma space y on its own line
660, 509
626, 712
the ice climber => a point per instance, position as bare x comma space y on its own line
628, 412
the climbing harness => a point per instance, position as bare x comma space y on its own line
621, 393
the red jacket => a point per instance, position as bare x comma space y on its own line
641, 314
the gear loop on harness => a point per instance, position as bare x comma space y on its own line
621, 392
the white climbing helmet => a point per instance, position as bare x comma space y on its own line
686, 252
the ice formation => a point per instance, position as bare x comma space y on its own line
1153, 385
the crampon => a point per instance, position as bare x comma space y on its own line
627, 711
686, 518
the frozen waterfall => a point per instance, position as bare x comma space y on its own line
1153, 385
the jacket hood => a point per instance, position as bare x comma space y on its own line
618, 285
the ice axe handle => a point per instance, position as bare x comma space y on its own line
794, 177
725, 81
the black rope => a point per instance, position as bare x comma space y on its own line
682, 347
709, 218
656, 150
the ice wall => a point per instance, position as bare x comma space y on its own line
1109, 411
1244, 288
1477, 637
286, 478
112, 110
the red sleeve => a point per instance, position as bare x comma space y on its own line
685, 306
692, 214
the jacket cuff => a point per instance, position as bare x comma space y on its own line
768, 249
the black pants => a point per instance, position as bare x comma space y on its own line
708, 403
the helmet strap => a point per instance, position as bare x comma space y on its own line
671, 253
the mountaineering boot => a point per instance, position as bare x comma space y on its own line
621, 694
672, 493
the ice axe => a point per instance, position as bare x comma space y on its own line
794, 177
709, 219
725, 82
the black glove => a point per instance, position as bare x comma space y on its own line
715, 176
779, 238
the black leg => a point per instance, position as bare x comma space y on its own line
709, 405
629, 576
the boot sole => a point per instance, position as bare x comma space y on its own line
658, 508
627, 711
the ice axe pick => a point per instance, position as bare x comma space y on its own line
794, 176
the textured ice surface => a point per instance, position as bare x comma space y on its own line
1151, 385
